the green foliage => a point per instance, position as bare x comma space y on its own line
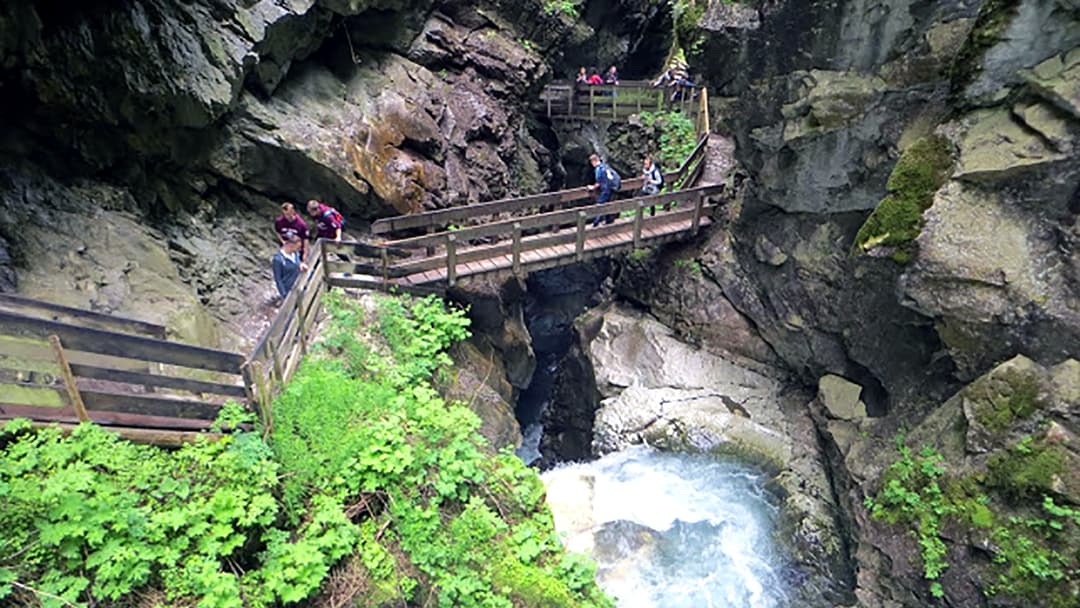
568, 8
897, 220
1004, 399
444, 515
365, 461
911, 495
1034, 556
92, 516
1027, 470
677, 137
689, 265
686, 15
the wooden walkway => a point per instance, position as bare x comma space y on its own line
66, 366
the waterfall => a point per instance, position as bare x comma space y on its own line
672, 530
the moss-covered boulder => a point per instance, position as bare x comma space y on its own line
897, 220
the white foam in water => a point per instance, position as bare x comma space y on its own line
681, 531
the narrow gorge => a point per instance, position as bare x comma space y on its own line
857, 386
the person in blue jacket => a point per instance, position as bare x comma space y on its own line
287, 265
607, 183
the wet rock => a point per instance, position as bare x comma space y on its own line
1022, 35
570, 498
996, 148
569, 418
480, 384
496, 309
661, 391
1058, 80
767, 252
1007, 440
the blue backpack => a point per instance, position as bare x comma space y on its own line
614, 180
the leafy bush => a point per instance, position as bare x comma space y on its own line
1033, 554
678, 138
365, 460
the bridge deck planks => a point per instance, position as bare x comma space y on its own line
532, 259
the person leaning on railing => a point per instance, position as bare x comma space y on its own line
287, 265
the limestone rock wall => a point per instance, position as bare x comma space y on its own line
195, 119
948, 280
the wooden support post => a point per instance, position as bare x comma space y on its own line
570, 100
592, 103
301, 316
516, 249
263, 399
579, 243
695, 223
614, 103
74, 397
385, 269
277, 375
430, 249
249, 385
705, 121
660, 99
322, 255
639, 214
638, 98
451, 259
549, 107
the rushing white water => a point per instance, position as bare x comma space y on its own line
672, 530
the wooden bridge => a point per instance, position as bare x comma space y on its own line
61, 365
563, 100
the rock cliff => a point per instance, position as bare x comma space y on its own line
909, 226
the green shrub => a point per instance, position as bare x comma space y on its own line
367, 460
678, 138
1033, 556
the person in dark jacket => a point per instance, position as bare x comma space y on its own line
287, 265
606, 185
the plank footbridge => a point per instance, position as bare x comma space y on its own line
61, 365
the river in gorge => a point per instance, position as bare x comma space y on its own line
672, 530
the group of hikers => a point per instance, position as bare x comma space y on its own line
593, 77
675, 78
607, 183
293, 234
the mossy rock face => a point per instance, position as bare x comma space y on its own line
897, 220
1003, 399
1003, 508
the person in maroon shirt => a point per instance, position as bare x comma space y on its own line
290, 224
328, 221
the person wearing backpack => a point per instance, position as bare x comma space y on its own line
328, 221
654, 179
607, 183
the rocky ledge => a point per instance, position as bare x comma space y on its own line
658, 390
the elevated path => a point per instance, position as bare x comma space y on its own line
66, 366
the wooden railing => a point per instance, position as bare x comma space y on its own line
571, 101
515, 238
66, 365
61, 365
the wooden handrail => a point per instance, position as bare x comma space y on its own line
544, 220
56, 312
